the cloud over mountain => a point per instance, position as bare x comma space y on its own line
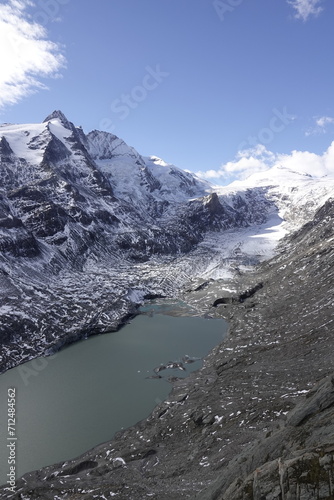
259, 158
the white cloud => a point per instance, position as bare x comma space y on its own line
259, 159
26, 55
304, 162
321, 125
324, 120
310, 163
306, 8
246, 162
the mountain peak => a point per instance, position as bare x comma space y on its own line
60, 115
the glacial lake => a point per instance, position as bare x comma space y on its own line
78, 398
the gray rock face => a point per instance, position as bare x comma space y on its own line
257, 421
306, 477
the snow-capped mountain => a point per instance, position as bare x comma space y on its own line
89, 227
64, 189
297, 195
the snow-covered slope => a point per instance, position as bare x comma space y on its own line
148, 183
296, 195
89, 227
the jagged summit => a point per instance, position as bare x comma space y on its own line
60, 115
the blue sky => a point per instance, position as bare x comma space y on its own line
216, 86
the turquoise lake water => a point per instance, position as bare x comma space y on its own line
77, 399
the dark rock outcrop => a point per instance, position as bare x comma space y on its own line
250, 292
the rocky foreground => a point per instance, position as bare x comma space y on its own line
257, 422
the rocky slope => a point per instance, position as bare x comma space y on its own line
257, 422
